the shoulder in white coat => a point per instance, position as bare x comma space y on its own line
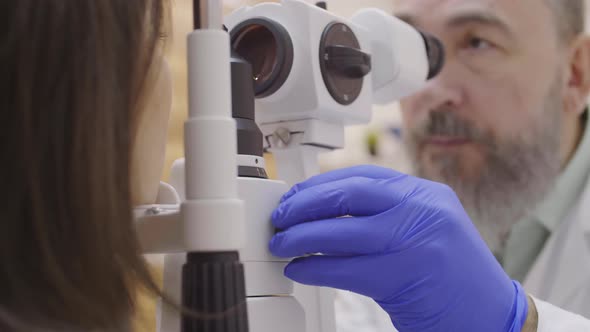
554, 319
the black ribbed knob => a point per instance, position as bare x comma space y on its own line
343, 63
348, 61
213, 286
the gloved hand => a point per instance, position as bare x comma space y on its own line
403, 241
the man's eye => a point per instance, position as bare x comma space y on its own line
478, 43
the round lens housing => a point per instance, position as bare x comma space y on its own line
267, 46
435, 51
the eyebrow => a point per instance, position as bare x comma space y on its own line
465, 17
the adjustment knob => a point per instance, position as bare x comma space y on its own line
348, 61
343, 64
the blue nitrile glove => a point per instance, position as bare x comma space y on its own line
405, 242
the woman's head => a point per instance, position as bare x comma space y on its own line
73, 80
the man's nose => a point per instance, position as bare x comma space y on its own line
443, 91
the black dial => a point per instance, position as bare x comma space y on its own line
343, 64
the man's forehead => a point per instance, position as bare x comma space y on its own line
429, 9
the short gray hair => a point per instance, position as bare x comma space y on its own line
570, 17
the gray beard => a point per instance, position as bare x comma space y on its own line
514, 179
507, 189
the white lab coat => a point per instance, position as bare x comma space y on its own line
560, 276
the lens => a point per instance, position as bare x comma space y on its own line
435, 51
267, 46
257, 45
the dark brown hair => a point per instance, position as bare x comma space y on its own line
72, 75
570, 17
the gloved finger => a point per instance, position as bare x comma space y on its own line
356, 274
337, 237
357, 196
367, 171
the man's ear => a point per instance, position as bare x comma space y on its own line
578, 80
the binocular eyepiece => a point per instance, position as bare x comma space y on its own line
268, 47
